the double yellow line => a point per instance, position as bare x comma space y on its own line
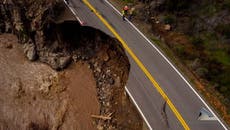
140, 64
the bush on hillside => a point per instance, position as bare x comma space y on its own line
169, 19
226, 4
223, 29
176, 5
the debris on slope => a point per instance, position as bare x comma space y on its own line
31, 22
34, 96
60, 43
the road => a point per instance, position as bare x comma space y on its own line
178, 105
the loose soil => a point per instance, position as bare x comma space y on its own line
76, 72
34, 96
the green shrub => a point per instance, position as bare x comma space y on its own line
226, 4
223, 89
197, 41
210, 10
223, 78
180, 50
224, 82
176, 5
202, 72
169, 19
221, 56
128, 1
223, 29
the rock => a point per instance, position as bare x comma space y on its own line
17, 89
9, 46
2, 26
167, 27
57, 62
51, 60
84, 57
111, 81
30, 51
75, 58
195, 64
105, 57
64, 61
107, 104
45, 87
99, 127
8, 28
98, 69
108, 71
95, 64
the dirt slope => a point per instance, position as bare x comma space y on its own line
34, 96
88, 73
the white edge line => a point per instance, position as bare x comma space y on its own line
72, 10
169, 64
138, 108
150, 128
162, 56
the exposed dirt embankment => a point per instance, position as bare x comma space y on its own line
89, 94
34, 96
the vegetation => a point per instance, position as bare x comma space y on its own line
226, 4
223, 29
199, 37
169, 19
212, 42
128, 1
176, 5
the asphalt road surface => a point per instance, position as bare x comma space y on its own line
154, 109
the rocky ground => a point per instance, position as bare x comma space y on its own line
34, 96
75, 77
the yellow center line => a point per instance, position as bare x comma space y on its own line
140, 64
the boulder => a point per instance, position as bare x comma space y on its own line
64, 61
167, 27
57, 62
30, 51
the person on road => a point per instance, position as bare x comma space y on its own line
125, 12
131, 12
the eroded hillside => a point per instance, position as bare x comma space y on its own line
87, 79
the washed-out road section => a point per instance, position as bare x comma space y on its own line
152, 105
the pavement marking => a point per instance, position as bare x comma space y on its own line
126, 89
138, 108
73, 11
139, 63
175, 69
